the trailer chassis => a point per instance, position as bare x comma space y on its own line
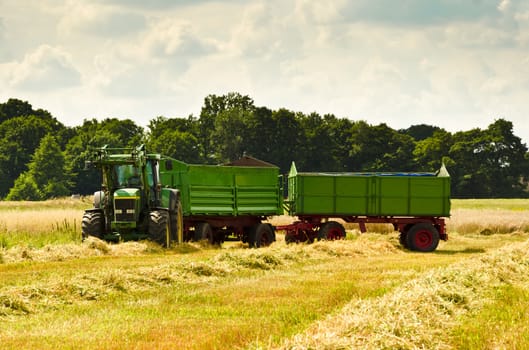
416, 233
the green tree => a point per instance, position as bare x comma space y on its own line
323, 142
421, 132
175, 137
24, 189
159, 125
19, 138
231, 132
379, 148
285, 147
261, 134
340, 130
176, 144
213, 106
489, 163
430, 152
124, 132
46, 176
14, 108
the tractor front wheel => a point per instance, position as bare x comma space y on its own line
159, 230
92, 224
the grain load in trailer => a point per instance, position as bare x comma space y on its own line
415, 203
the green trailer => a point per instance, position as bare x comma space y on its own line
222, 202
415, 203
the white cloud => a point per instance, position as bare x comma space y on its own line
170, 38
264, 32
3, 49
320, 12
98, 20
504, 5
47, 68
150, 65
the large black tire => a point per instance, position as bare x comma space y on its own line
331, 231
262, 236
93, 224
290, 237
203, 231
422, 237
159, 230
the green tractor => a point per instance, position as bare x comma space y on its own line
132, 204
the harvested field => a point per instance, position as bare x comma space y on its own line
362, 292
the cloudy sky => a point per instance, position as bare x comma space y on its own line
457, 64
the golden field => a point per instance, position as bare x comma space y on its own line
365, 292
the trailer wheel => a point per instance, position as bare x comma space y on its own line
159, 230
203, 231
263, 236
92, 224
331, 231
423, 237
290, 237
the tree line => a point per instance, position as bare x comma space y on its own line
41, 158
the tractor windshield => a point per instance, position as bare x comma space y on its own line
127, 175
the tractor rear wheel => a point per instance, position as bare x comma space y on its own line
331, 231
159, 230
92, 224
422, 237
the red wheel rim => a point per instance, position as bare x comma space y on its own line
423, 239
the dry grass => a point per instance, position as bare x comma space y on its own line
38, 220
364, 245
221, 263
58, 203
489, 216
488, 221
89, 248
419, 314
72, 294
235, 297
